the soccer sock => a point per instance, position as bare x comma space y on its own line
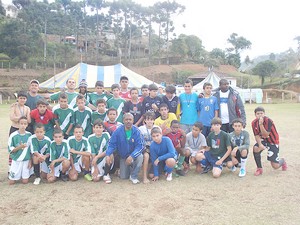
180, 161
168, 169
86, 172
257, 158
106, 169
243, 162
36, 169
281, 161
187, 160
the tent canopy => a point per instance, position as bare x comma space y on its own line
211, 78
108, 74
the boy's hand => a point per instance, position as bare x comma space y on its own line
129, 160
155, 178
234, 150
72, 151
52, 165
108, 160
23, 145
95, 174
154, 107
156, 162
261, 120
94, 162
219, 162
29, 164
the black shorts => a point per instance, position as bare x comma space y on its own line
273, 151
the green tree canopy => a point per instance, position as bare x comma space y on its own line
264, 69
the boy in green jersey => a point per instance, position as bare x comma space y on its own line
100, 113
98, 142
19, 153
83, 115
64, 115
116, 102
80, 150
59, 157
39, 146
99, 94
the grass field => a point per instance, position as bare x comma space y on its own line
272, 198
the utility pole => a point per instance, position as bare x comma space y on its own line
45, 42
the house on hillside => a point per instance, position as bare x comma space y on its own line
11, 11
197, 78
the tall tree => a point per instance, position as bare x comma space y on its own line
264, 69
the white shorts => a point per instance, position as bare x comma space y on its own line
19, 170
192, 151
44, 167
100, 167
79, 165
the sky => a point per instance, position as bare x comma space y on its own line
271, 26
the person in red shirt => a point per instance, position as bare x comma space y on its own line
266, 137
124, 92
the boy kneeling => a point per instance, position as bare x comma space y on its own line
162, 153
218, 149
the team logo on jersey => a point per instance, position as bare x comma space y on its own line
211, 101
206, 108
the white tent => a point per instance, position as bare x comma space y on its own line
211, 78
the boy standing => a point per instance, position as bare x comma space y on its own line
39, 146
80, 150
171, 99
19, 153
64, 115
83, 115
43, 115
145, 92
124, 92
208, 108
99, 94
240, 146
98, 142
116, 102
152, 102
218, 149
111, 124
162, 154
100, 113
266, 137
134, 107
59, 157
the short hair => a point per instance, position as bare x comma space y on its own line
42, 101
223, 81
134, 89
100, 100
112, 109
155, 130
77, 126
259, 109
127, 115
123, 78
198, 125
153, 87
80, 97
63, 95
22, 94
99, 83
188, 81
57, 130
206, 84
171, 89
98, 122
22, 118
162, 105
216, 120
149, 115
144, 86
114, 86
39, 125
70, 79
237, 120
174, 122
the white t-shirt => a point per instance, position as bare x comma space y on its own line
224, 107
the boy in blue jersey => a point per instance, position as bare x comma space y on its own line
208, 107
163, 155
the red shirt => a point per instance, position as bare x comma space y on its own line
111, 127
125, 95
270, 127
44, 119
176, 138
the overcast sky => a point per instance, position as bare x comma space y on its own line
271, 26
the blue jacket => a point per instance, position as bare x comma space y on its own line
118, 142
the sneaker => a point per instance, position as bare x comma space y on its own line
64, 177
37, 181
233, 169
134, 181
169, 177
242, 173
206, 169
88, 177
107, 179
284, 166
258, 172
180, 172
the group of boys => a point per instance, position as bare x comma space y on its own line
175, 131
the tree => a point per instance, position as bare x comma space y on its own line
298, 50
218, 54
264, 69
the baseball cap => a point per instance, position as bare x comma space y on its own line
35, 81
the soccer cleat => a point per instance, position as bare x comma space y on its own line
180, 172
284, 166
134, 181
37, 181
169, 177
64, 177
242, 173
107, 179
233, 169
206, 169
258, 172
88, 177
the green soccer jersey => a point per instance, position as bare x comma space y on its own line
99, 144
118, 104
218, 143
96, 115
65, 118
14, 140
94, 97
81, 146
40, 146
71, 98
59, 151
84, 118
